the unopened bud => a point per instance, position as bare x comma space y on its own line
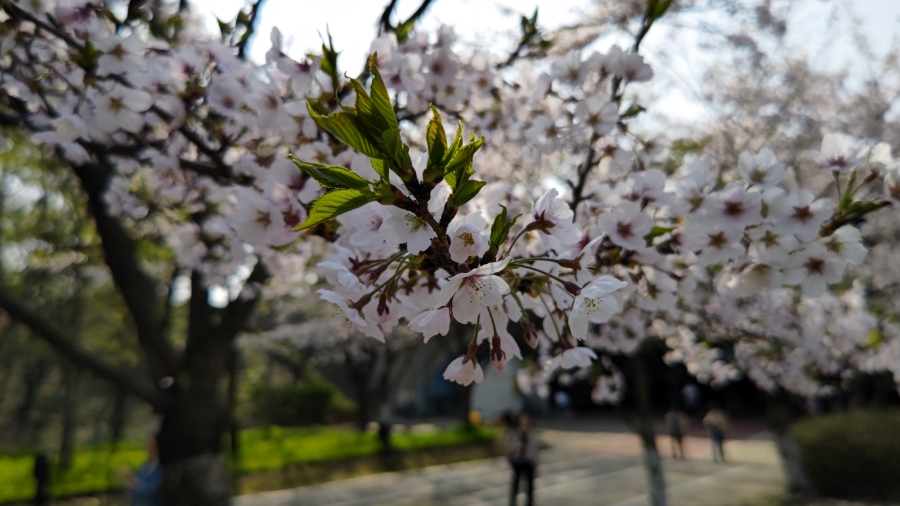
374, 274
463, 268
498, 357
571, 287
529, 332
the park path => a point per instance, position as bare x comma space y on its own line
577, 468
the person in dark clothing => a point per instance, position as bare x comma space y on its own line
716, 422
678, 424
42, 477
523, 450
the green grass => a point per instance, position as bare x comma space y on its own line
94, 468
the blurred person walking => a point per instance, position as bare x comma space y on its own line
144, 483
522, 456
716, 422
42, 480
678, 425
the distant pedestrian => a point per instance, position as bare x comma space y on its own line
678, 425
562, 401
716, 422
144, 483
522, 456
690, 394
42, 479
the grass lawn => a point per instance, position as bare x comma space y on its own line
94, 469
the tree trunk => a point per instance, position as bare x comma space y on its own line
194, 470
118, 418
70, 415
779, 418
644, 428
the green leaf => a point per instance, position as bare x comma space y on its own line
349, 129
366, 110
393, 146
380, 95
500, 229
454, 146
656, 232
466, 192
876, 337
328, 63
632, 111
436, 139
335, 203
657, 8
459, 168
381, 168
329, 176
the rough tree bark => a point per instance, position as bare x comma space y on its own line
643, 425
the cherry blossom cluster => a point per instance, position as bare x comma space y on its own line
578, 236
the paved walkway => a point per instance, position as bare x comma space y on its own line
578, 468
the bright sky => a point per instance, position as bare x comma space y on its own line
820, 29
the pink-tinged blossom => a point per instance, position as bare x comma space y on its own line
836, 153
800, 213
120, 54
713, 245
892, 186
466, 239
432, 322
846, 243
598, 114
120, 108
464, 371
474, 291
595, 304
813, 268
762, 169
553, 221
734, 207
626, 225
578, 356
355, 316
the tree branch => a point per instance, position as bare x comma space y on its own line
251, 29
66, 347
136, 287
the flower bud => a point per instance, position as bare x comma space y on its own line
529, 333
571, 287
498, 356
374, 274
463, 268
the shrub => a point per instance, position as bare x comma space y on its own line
853, 455
304, 404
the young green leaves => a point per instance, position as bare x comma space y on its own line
452, 163
500, 231
370, 126
347, 191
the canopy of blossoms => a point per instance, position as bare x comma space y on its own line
421, 225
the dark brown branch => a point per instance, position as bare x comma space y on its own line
251, 29
67, 347
136, 287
